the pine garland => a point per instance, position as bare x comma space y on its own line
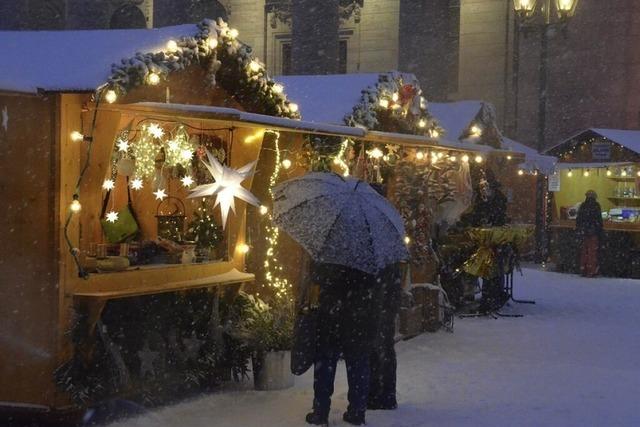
213, 46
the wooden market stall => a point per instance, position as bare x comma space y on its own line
106, 285
432, 168
608, 162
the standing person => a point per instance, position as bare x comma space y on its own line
383, 363
346, 326
589, 228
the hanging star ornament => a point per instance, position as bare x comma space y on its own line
123, 145
136, 184
227, 186
187, 181
160, 194
111, 216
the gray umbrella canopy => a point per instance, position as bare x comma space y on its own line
340, 221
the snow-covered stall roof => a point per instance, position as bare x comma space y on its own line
455, 117
533, 160
629, 139
232, 114
33, 61
328, 98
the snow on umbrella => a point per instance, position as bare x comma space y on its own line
340, 221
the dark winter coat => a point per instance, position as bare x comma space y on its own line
346, 309
589, 219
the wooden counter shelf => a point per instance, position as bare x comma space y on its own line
608, 225
160, 279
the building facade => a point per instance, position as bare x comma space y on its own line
458, 49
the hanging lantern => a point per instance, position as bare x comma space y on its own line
566, 8
525, 8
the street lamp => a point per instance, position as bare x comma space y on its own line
526, 11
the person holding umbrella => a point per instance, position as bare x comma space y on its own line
352, 234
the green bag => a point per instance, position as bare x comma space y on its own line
125, 228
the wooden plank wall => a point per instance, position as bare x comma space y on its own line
28, 270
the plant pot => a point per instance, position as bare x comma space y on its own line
272, 370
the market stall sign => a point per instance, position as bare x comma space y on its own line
554, 182
600, 151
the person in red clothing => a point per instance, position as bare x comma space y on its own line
589, 229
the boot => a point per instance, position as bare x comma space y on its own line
354, 418
317, 419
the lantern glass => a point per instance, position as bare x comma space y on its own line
525, 8
566, 8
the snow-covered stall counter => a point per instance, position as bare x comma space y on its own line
132, 200
608, 162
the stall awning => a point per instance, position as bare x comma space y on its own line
243, 119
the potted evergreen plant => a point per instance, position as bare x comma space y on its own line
268, 331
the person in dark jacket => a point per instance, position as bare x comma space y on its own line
346, 325
589, 229
383, 363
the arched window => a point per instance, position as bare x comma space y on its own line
128, 16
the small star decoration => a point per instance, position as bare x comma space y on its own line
111, 216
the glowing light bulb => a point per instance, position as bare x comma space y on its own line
76, 136
478, 159
520, 172
476, 130
75, 205
233, 33
509, 157
570, 173
623, 173
375, 153
255, 66
407, 240
243, 248
609, 172
465, 158
172, 46
586, 173
278, 88
286, 163
212, 42
293, 107
395, 97
422, 123
453, 158
153, 79
440, 155
384, 103
263, 210
111, 96
434, 133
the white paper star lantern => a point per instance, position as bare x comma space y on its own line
227, 186
111, 216
155, 130
160, 194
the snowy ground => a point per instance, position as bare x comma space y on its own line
573, 360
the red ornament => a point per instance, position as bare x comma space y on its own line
407, 93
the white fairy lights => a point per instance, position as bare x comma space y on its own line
272, 267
